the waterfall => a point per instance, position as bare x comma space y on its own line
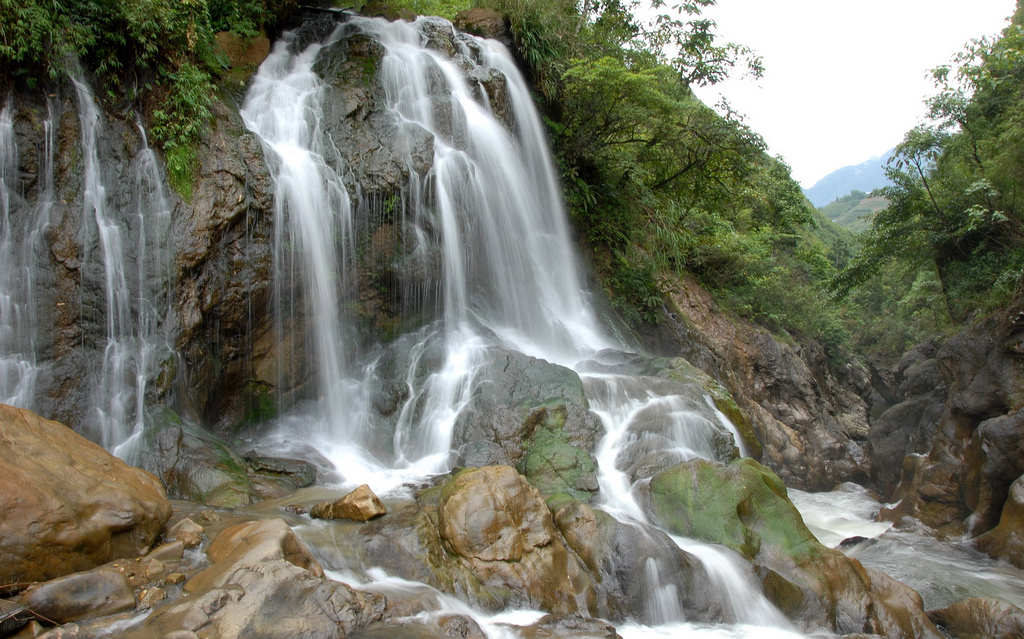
491, 204
20, 249
133, 310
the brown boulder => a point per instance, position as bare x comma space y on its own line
980, 619
482, 22
263, 583
361, 505
1006, 541
67, 505
493, 514
80, 596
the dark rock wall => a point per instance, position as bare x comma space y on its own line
810, 418
957, 432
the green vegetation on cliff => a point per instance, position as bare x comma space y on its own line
159, 52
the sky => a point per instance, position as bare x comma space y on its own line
845, 80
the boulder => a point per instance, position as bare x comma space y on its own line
80, 596
361, 505
980, 618
262, 583
523, 395
1006, 540
187, 532
744, 506
487, 535
569, 626
66, 504
194, 464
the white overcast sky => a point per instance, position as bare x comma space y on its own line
843, 80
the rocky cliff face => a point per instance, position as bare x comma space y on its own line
810, 419
950, 450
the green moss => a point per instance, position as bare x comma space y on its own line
743, 505
259, 402
551, 463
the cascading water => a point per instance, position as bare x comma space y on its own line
17, 351
131, 316
510, 279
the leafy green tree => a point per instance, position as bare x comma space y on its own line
954, 225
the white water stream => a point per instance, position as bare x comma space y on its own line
20, 249
131, 316
942, 572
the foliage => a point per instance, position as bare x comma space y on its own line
950, 243
162, 50
181, 121
658, 183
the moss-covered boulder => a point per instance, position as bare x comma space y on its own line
743, 505
522, 397
552, 464
193, 463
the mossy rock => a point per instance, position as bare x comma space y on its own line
742, 505
551, 463
194, 464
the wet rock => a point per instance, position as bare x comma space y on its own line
297, 472
810, 418
523, 394
967, 470
67, 631
980, 619
80, 596
263, 583
994, 460
188, 532
223, 261
492, 514
744, 506
487, 535
552, 626
168, 553
1006, 540
361, 505
194, 464
67, 504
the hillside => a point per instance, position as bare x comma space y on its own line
866, 176
854, 211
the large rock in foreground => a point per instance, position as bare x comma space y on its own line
263, 583
66, 504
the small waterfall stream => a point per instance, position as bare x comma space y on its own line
20, 250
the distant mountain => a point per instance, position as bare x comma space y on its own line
866, 176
